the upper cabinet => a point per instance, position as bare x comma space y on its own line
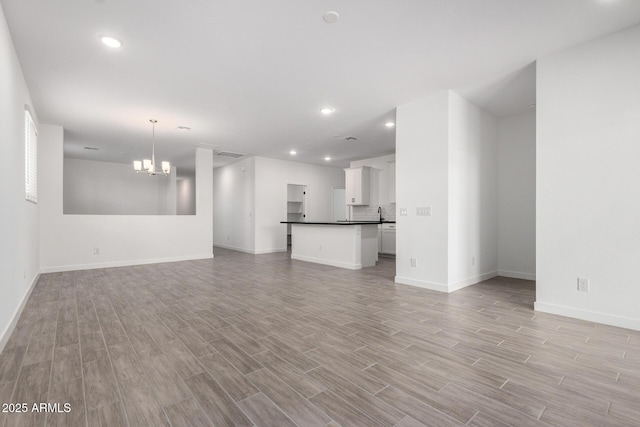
357, 182
392, 182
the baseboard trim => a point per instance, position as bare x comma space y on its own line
6, 334
472, 281
588, 315
270, 251
516, 275
234, 248
422, 284
92, 266
445, 288
249, 251
327, 262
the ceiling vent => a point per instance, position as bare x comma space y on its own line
91, 148
229, 154
350, 138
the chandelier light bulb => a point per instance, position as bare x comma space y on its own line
149, 165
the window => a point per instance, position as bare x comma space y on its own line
30, 158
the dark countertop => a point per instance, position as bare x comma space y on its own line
339, 222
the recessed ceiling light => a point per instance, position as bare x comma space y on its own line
91, 148
331, 17
389, 124
327, 110
293, 152
184, 128
327, 158
110, 41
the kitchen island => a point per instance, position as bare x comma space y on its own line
345, 244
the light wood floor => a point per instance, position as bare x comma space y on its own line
243, 339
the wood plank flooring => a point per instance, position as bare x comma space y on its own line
245, 340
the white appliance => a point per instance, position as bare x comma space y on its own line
388, 239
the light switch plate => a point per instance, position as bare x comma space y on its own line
403, 211
424, 211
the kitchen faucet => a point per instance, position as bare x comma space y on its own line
379, 214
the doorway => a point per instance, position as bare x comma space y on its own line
296, 207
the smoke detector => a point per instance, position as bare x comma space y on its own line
331, 17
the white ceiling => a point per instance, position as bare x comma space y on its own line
250, 76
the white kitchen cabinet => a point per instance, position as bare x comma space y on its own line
392, 182
351, 246
388, 239
357, 186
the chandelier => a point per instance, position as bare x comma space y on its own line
149, 166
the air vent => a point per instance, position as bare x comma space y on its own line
350, 138
229, 154
91, 148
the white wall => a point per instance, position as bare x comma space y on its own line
517, 196
186, 194
249, 204
234, 205
422, 180
19, 234
588, 180
446, 159
167, 193
473, 193
68, 241
104, 188
272, 177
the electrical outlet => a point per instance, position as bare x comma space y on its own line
414, 262
473, 260
425, 211
403, 211
96, 251
583, 284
